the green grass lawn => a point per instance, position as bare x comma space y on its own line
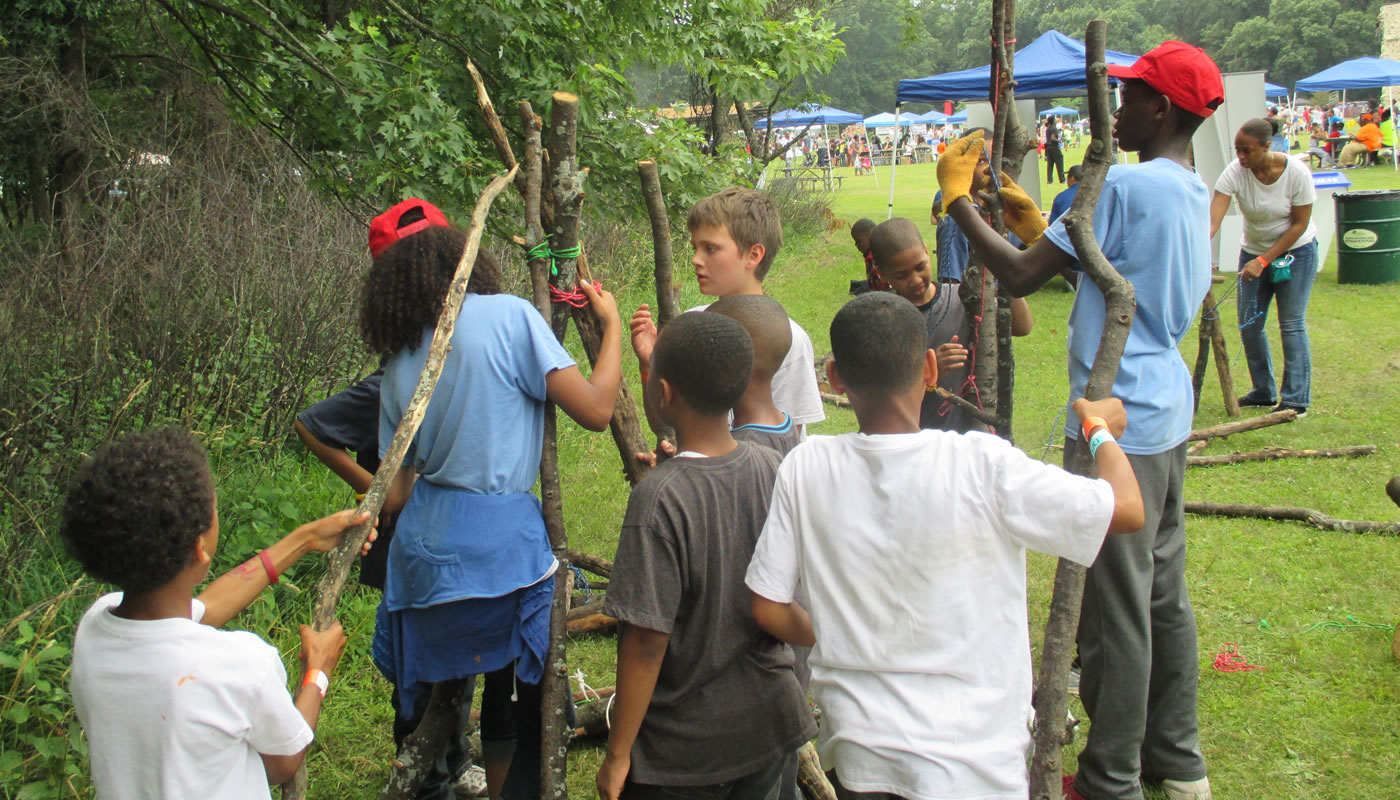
1322, 720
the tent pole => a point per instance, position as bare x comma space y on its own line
1395, 147
894, 158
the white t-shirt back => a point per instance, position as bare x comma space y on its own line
1266, 208
908, 551
795, 383
175, 709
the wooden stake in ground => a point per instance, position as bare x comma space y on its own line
1213, 339
338, 567
1253, 423
666, 308
1052, 679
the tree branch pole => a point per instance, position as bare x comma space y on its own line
666, 307
1317, 519
1253, 423
1052, 679
421, 748
329, 589
1276, 453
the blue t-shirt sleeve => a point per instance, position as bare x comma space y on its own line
537, 353
1108, 224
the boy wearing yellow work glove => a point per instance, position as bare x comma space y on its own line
1137, 634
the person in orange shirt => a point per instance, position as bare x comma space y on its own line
1366, 141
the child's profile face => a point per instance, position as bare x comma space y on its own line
721, 268
910, 274
862, 241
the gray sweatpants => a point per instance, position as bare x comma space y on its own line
1137, 646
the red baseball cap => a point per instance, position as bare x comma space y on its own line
1185, 74
404, 219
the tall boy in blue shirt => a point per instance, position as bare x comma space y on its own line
1152, 223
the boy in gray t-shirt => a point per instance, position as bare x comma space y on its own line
756, 419
704, 697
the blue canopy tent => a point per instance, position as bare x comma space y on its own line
1051, 66
958, 118
811, 115
934, 117
1059, 111
1358, 73
888, 120
1274, 90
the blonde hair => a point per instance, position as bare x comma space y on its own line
750, 218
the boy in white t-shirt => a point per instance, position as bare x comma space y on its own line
907, 549
736, 235
172, 706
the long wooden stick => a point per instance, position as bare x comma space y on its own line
1317, 519
594, 564
332, 584
1052, 679
1276, 453
666, 307
1240, 426
420, 750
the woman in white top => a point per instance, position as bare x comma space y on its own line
1276, 197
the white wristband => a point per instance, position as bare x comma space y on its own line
317, 678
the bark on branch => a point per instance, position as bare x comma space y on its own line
1317, 519
420, 750
1276, 453
1052, 679
1240, 426
666, 308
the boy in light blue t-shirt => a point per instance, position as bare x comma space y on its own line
1151, 222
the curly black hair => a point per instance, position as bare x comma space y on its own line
707, 358
406, 286
135, 508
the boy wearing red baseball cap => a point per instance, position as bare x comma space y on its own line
1137, 633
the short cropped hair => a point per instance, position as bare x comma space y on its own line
707, 358
862, 225
135, 508
879, 340
767, 325
749, 216
892, 237
1076, 172
1260, 130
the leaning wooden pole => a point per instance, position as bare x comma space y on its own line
342, 557
666, 307
1052, 679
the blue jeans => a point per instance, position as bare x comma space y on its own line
1252, 303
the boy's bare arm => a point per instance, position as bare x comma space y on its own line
338, 460
231, 592
786, 621
1114, 467
639, 657
319, 651
1021, 319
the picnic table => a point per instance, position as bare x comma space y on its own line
813, 176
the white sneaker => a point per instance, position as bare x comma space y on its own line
1187, 790
471, 783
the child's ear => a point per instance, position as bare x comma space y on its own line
754, 256
204, 547
930, 369
833, 377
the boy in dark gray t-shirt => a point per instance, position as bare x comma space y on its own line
704, 697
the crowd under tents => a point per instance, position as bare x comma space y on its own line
1358, 73
810, 115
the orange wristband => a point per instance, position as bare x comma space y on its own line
268, 567
317, 678
1091, 424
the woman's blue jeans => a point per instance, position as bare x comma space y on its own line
1252, 303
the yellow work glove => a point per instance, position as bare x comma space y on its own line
957, 166
1019, 212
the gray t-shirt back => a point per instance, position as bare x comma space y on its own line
726, 702
781, 438
945, 318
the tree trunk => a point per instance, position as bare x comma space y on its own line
1052, 679
420, 750
1006, 364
